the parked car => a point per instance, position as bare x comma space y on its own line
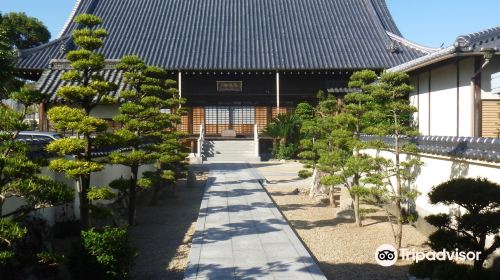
38, 136
37, 142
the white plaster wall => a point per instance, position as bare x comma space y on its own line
436, 170
466, 97
105, 111
493, 67
443, 111
71, 211
423, 104
443, 100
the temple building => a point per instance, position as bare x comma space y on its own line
238, 63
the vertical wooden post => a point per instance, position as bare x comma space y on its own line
42, 117
278, 91
179, 84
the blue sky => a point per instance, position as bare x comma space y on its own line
428, 22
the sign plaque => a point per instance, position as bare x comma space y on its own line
229, 86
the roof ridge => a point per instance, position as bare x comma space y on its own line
424, 59
411, 44
385, 17
467, 39
70, 18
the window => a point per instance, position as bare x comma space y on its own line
41, 137
23, 137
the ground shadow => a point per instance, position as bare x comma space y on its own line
159, 235
364, 271
270, 269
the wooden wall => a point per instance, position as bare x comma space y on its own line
490, 119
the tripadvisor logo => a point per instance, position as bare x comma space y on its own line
387, 255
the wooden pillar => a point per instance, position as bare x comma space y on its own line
193, 146
278, 91
42, 117
190, 121
179, 84
475, 87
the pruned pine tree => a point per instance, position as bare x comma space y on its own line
314, 139
19, 174
85, 90
149, 115
344, 163
467, 230
394, 111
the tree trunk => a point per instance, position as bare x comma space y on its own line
283, 141
357, 214
84, 202
331, 192
85, 187
478, 264
315, 184
132, 194
2, 199
399, 229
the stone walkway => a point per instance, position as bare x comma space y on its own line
240, 234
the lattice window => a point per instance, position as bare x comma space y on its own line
184, 125
198, 119
261, 117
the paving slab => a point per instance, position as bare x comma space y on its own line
240, 234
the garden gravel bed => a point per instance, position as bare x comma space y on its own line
343, 250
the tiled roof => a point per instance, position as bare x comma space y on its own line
470, 43
240, 34
50, 80
478, 41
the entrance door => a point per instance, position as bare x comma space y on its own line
220, 118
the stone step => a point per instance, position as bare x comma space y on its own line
229, 151
232, 159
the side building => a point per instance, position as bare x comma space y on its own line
457, 94
238, 63
457, 89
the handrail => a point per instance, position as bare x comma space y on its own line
256, 139
201, 140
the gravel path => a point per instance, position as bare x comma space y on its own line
343, 250
164, 231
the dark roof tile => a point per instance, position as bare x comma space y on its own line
241, 34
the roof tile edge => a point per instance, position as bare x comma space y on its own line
413, 45
71, 17
462, 43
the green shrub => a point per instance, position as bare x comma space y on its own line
466, 231
105, 254
286, 151
451, 271
304, 173
446, 270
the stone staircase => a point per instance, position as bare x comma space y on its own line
229, 151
